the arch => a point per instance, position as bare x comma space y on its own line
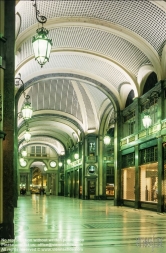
150, 82
130, 98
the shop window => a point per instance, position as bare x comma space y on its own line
149, 155
131, 127
128, 160
128, 183
110, 189
149, 182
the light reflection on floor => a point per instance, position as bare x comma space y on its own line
60, 224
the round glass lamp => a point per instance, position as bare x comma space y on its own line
27, 135
41, 46
53, 164
21, 160
45, 168
76, 156
24, 153
147, 121
23, 164
68, 161
60, 164
107, 140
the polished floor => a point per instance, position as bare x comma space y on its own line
60, 224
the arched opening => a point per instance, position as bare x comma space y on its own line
38, 178
130, 97
150, 82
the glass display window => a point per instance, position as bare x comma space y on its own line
149, 182
128, 183
110, 189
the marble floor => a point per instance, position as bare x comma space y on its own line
60, 224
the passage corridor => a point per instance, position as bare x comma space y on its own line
60, 224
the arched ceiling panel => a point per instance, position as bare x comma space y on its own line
141, 17
91, 40
81, 63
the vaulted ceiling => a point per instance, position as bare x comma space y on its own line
102, 50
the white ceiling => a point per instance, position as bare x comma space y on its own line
101, 51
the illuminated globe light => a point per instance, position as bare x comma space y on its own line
60, 164
147, 121
27, 135
21, 160
76, 156
23, 163
107, 140
41, 46
24, 153
45, 168
68, 161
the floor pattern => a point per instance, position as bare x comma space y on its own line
60, 224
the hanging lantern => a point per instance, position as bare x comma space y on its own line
42, 46
41, 43
27, 135
147, 121
27, 109
107, 139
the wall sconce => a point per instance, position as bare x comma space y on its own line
107, 139
41, 43
26, 111
146, 120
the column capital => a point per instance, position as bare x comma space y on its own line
2, 135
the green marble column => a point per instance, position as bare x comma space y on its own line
160, 204
84, 154
117, 160
137, 176
2, 134
7, 226
137, 170
101, 169
66, 184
